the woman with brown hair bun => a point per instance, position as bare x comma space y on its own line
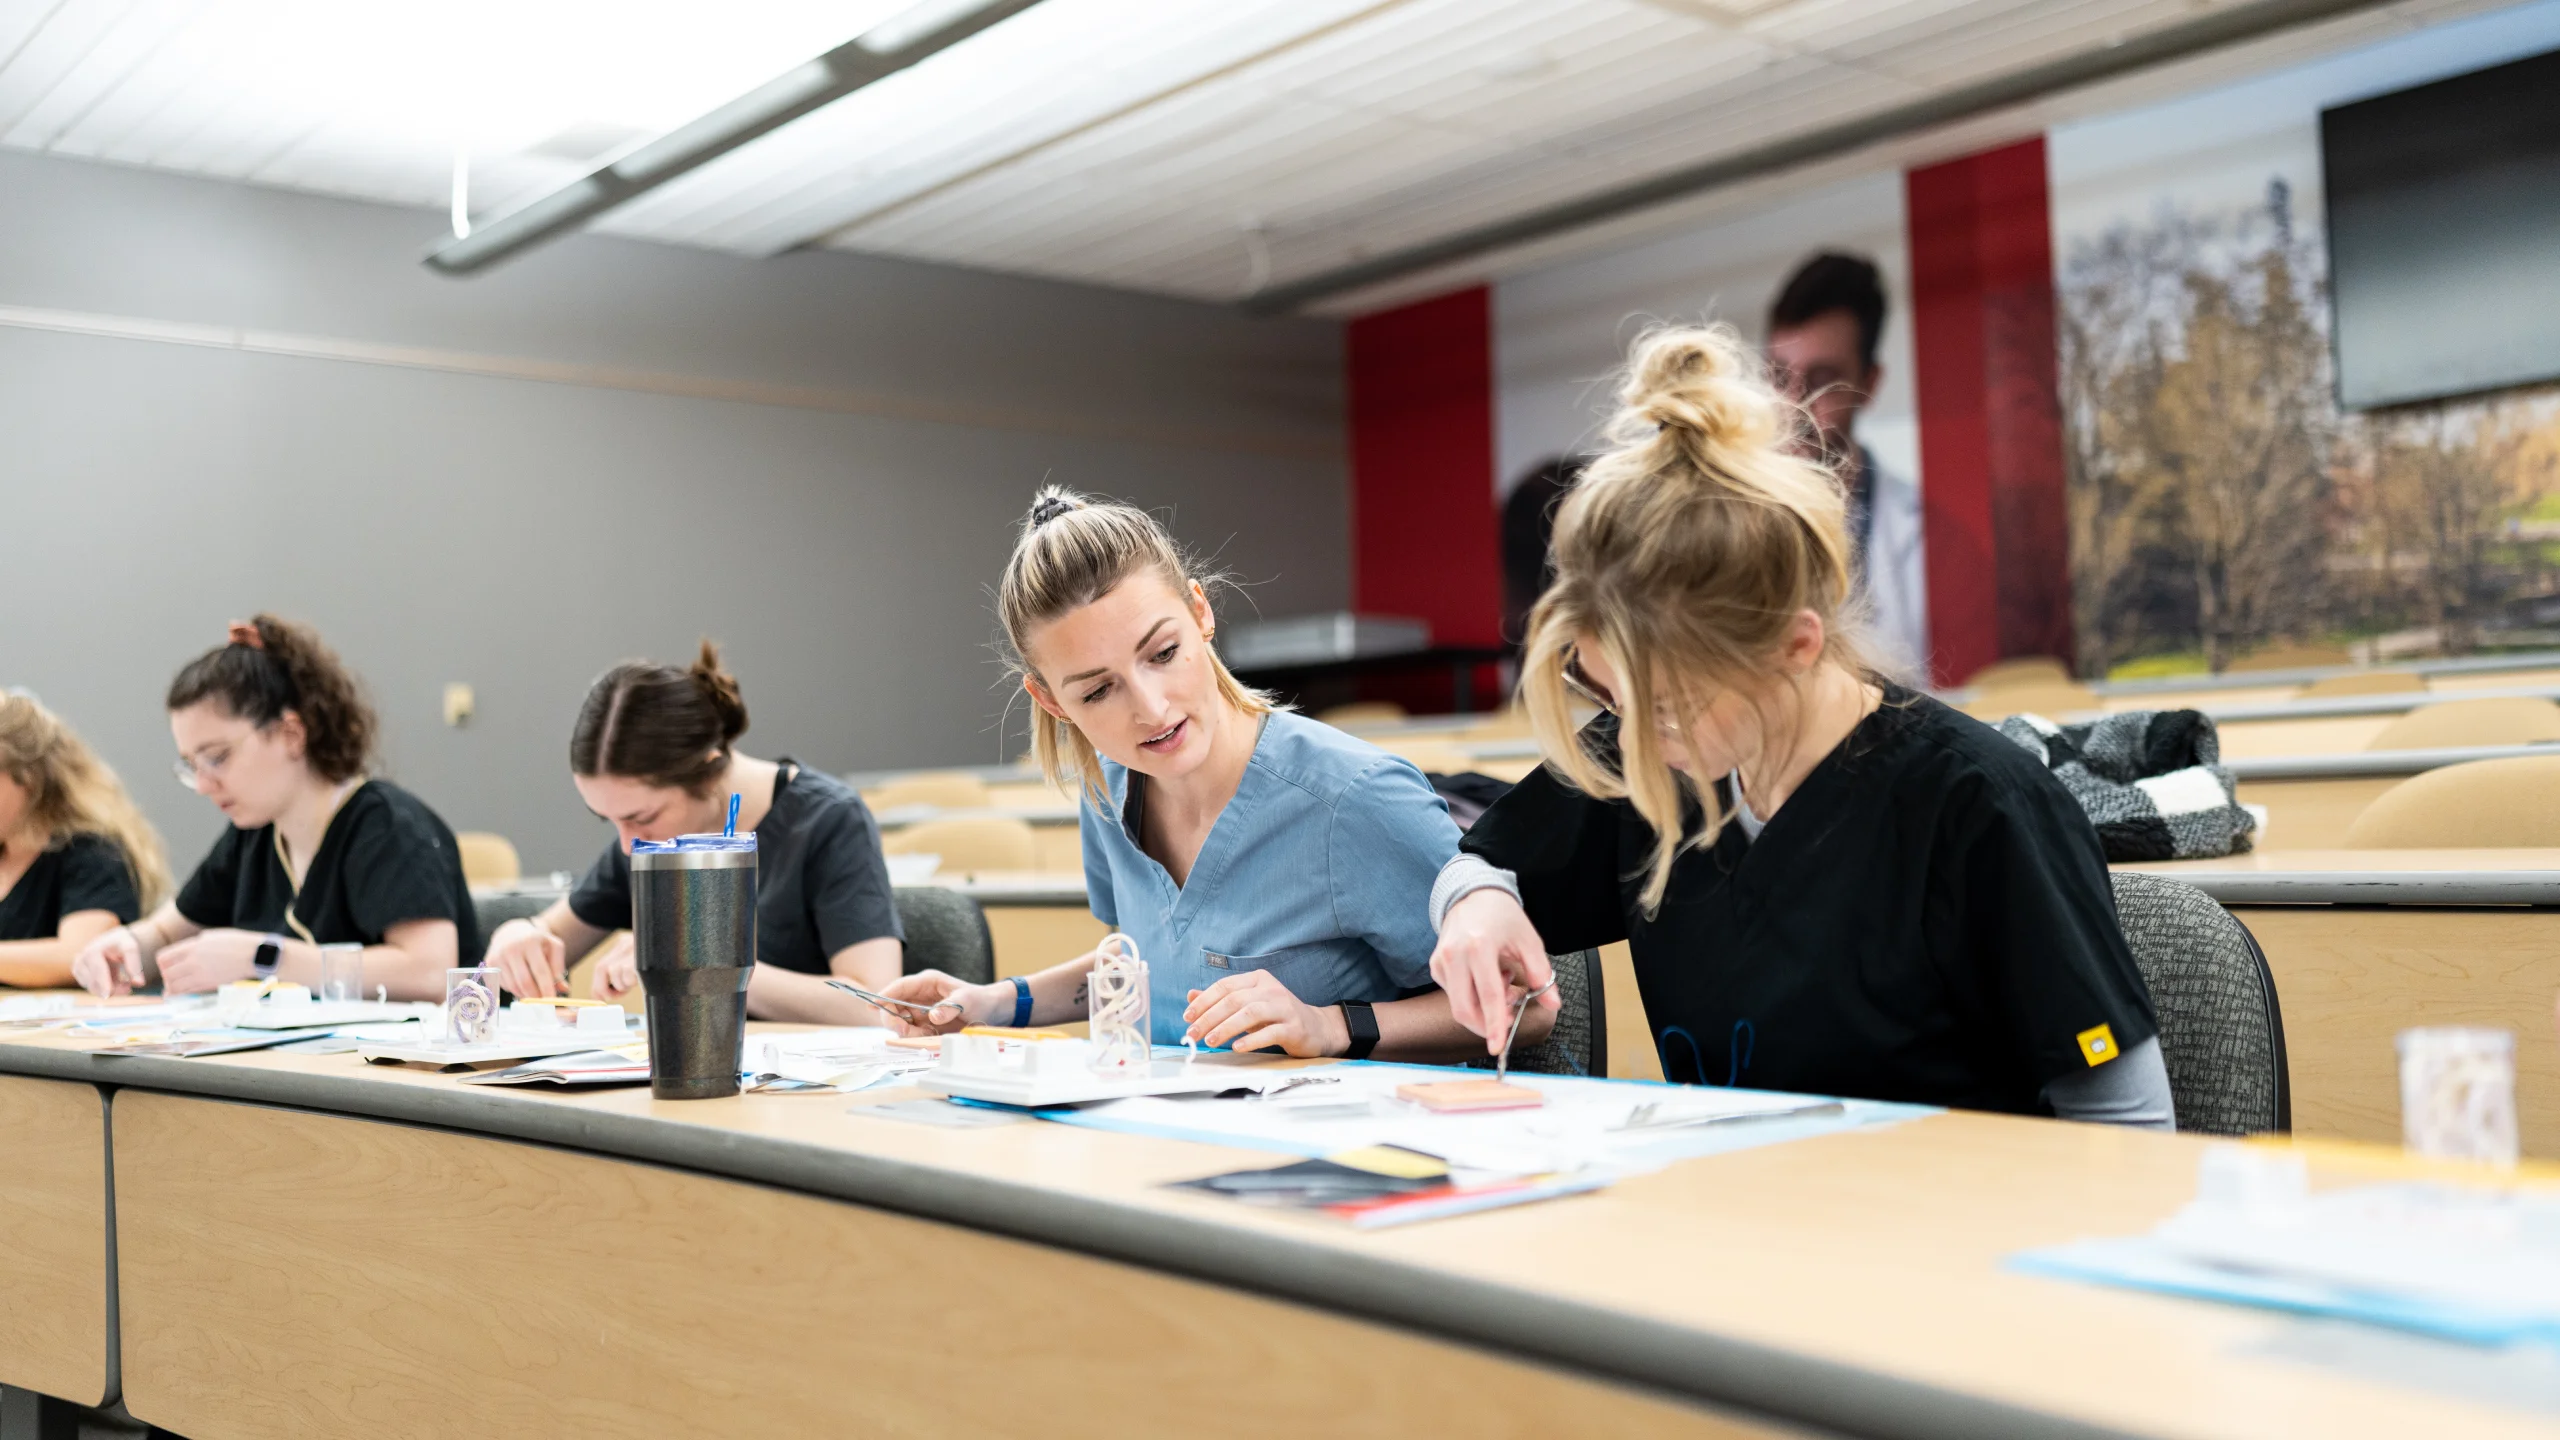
1829, 883
273, 729
76, 858
654, 753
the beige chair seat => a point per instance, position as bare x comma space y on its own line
2504, 720
2496, 804
942, 789
2052, 701
990, 843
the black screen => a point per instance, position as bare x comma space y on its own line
2444, 235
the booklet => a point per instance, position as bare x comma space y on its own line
582, 1068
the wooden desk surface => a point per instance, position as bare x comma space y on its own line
1852, 1281
2372, 877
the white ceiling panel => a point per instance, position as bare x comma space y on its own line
1195, 147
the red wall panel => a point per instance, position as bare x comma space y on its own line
1424, 540
1990, 415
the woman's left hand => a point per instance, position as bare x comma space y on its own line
1254, 1011
209, 961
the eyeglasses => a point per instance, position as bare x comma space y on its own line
1579, 681
205, 764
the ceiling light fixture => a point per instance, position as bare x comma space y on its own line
904, 39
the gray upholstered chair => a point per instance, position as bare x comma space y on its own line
946, 931
1579, 1044
2221, 1031
494, 910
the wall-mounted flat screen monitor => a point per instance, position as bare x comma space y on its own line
2444, 235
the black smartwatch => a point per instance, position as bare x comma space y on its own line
1361, 1023
270, 954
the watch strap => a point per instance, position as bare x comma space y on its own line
1021, 1002
270, 955
1360, 1022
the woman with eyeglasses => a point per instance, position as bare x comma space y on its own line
1272, 869
272, 728
1829, 883
76, 857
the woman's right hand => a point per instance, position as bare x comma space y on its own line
955, 1003
111, 964
1489, 955
531, 961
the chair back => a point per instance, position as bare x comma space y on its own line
2498, 804
2221, 1030
944, 789
946, 931
995, 842
2033, 671
487, 859
1579, 1043
1363, 712
494, 910
2363, 682
2490, 720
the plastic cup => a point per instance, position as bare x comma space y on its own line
341, 972
470, 1005
2458, 1093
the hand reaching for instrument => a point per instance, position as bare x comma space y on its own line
1489, 954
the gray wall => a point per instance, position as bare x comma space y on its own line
183, 440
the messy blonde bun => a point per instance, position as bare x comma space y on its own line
1072, 551
1686, 551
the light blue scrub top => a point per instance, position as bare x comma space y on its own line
1319, 871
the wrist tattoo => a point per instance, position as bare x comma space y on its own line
1080, 991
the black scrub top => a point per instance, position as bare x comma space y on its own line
85, 872
1927, 919
385, 858
821, 883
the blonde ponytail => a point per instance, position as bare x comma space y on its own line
1071, 553
1685, 553
70, 791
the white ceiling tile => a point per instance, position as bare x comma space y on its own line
1186, 146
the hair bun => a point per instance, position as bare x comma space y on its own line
721, 690
1700, 382
1050, 506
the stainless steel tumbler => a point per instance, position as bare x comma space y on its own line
693, 927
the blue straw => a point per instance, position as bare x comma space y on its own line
732, 828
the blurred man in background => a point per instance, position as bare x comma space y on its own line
1823, 330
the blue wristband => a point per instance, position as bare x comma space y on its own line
1021, 1002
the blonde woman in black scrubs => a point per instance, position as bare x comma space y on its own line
76, 858
1829, 883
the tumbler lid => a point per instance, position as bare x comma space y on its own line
695, 852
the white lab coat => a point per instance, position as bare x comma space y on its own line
1896, 575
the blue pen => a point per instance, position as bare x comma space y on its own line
732, 828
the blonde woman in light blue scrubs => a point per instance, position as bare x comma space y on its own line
1275, 872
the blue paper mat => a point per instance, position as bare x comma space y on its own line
2143, 1263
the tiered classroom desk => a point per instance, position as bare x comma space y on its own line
307, 1247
